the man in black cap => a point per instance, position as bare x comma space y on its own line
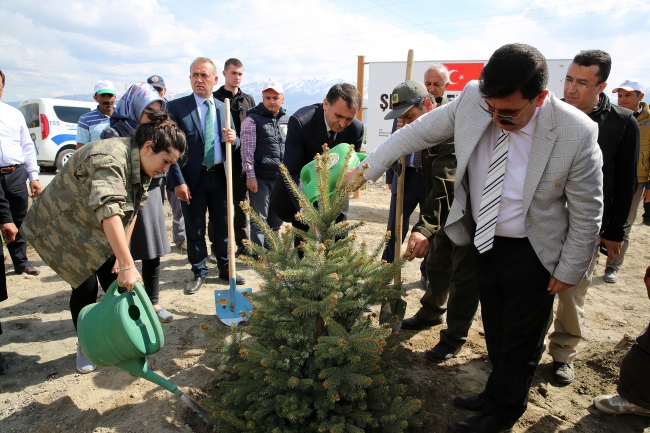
404, 97
159, 84
178, 222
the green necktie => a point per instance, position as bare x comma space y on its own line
208, 159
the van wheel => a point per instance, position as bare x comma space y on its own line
63, 157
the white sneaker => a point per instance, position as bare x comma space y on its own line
84, 365
617, 405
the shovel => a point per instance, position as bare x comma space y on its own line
232, 302
398, 308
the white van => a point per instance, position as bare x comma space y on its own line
52, 124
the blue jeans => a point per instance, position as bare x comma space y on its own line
260, 203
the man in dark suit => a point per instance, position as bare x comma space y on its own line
201, 183
332, 122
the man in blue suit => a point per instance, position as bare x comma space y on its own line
200, 183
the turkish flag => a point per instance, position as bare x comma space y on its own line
462, 73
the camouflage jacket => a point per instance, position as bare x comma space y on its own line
439, 176
64, 225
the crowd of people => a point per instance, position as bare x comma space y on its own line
545, 186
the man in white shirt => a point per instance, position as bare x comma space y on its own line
529, 196
17, 164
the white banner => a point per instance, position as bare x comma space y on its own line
384, 76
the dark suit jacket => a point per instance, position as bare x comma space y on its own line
184, 112
306, 135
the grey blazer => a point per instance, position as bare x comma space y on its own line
563, 195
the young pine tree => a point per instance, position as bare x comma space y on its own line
314, 363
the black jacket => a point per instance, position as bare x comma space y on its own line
618, 138
239, 104
271, 133
305, 138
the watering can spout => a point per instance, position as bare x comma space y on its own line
140, 367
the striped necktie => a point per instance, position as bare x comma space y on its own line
208, 154
489, 210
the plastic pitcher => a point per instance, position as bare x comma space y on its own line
336, 166
121, 330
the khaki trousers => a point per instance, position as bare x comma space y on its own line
617, 261
570, 317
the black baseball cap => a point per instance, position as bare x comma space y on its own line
156, 81
405, 96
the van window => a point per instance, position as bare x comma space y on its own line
69, 114
30, 112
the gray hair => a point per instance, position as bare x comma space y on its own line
440, 68
204, 60
428, 96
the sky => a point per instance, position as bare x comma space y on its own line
62, 47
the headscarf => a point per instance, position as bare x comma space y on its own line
130, 108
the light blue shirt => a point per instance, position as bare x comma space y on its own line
203, 109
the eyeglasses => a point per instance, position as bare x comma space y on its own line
568, 82
506, 120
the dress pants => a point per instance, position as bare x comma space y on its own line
515, 307
634, 381
15, 189
239, 194
209, 194
617, 261
3, 280
570, 317
414, 195
260, 204
452, 287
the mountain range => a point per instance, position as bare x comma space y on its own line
297, 93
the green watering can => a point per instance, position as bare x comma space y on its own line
336, 166
121, 330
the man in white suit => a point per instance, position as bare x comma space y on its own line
528, 195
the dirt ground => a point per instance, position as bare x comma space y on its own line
44, 393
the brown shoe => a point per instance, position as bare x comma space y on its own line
29, 270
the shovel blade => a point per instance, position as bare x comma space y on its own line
229, 304
388, 311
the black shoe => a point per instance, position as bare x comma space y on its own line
470, 402
563, 372
416, 322
441, 352
481, 424
225, 275
646, 221
4, 367
29, 270
194, 285
243, 250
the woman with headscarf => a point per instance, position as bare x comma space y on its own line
149, 242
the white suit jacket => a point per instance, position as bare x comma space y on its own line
563, 195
